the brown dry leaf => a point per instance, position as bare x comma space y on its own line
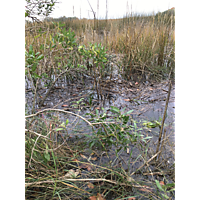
36, 190
131, 198
86, 166
64, 105
138, 89
94, 158
90, 185
74, 94
131, 90
83, 166
126, 99
76, 160
100, 197
97, 108
89, 167
92, 198
142, 109
128, 151
130, 179
144, 190
150, 88
71, 174
162, 183
83, 156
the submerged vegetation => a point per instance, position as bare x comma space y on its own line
78, 153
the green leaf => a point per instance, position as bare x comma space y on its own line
61, 25
130, 111
59, 129
172, 190
40, 57
87, 135
165, 196
30, 49
26, 14
26, 53
37, 53
63, 125
37, 36
34, 66
67, 121
149, 137
97, 112
123, 109
47, 156
170, 185
117, 150
125, 119
158, 185
115, 109
42, 46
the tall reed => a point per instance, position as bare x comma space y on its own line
147, 43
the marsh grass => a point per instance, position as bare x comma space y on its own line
147, 43
57, 168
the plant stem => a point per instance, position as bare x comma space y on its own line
163, 120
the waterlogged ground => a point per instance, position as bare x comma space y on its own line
146, 99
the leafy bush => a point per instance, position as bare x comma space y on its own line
114, 129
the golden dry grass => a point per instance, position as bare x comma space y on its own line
145, 42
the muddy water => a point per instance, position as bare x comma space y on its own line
149, 106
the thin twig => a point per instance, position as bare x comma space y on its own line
83, 180
59, 110
146, 162
32, 151
166, 105
162, 143
33, 108
41, 102
27, 130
